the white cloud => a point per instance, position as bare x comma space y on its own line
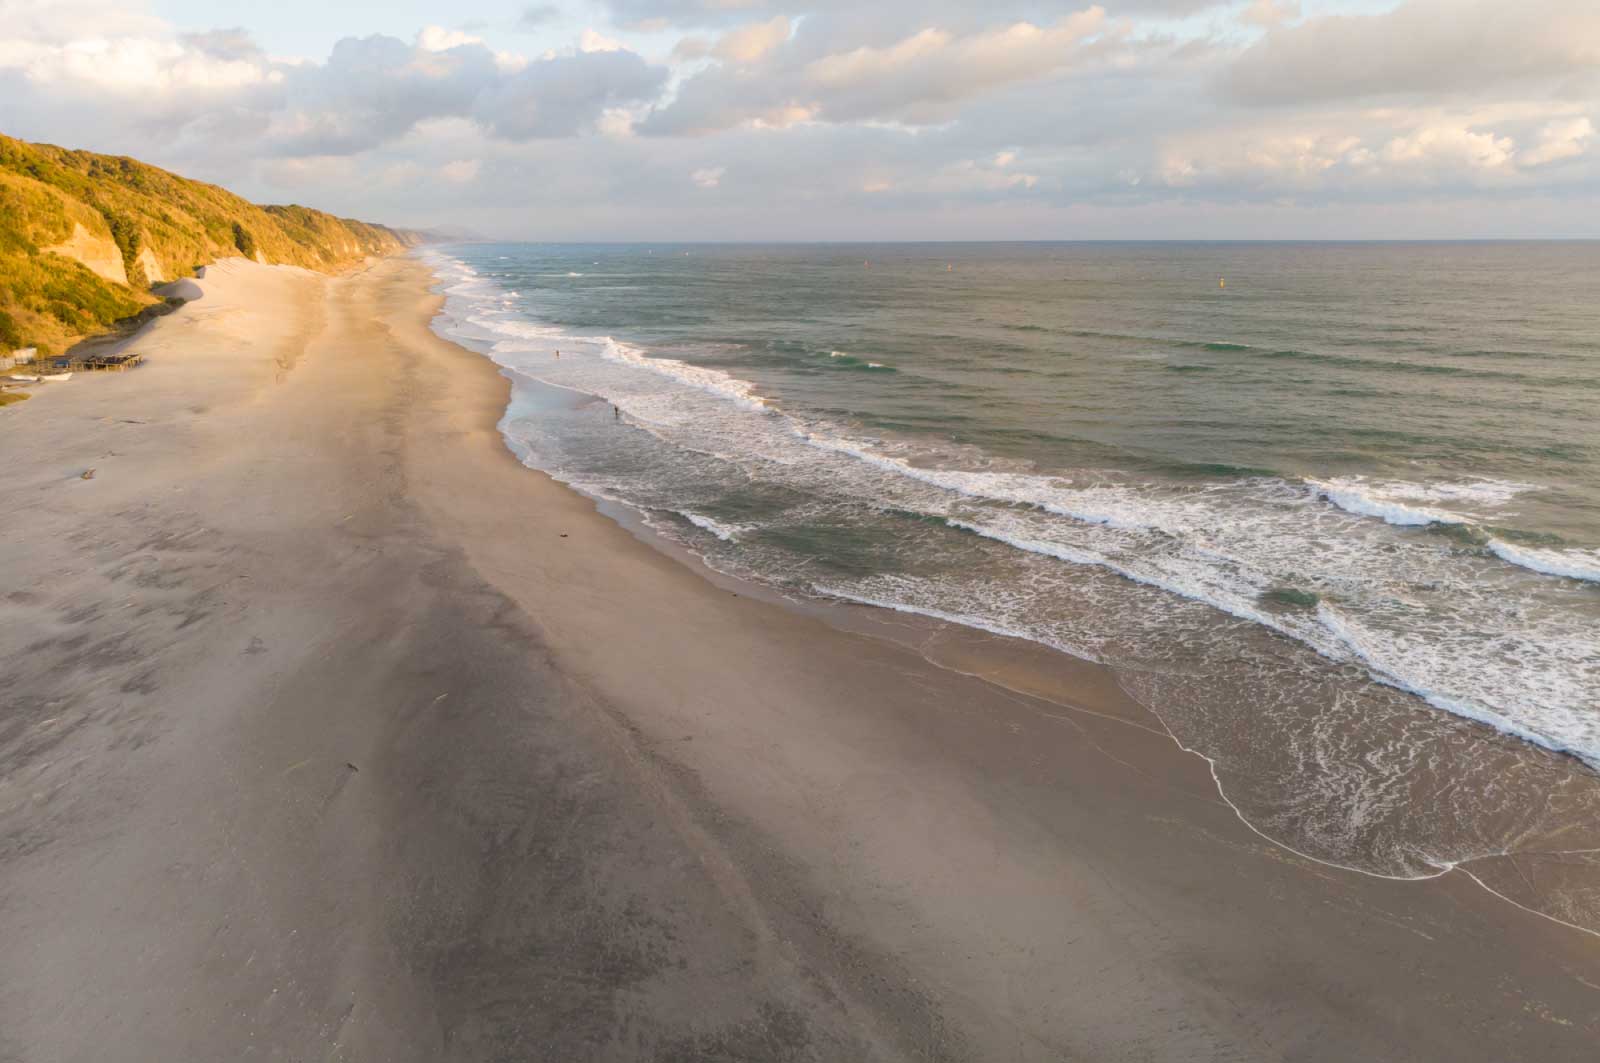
218, 92
1269, 13
985, 180
918, 78
439, 39
1374, 151
709, 177
616, 122
1420, 47
1567, 138
750, 43
921, 75
461, 171
59, 21
1452, 146
130, 64
566, 94
591, 40
943, 113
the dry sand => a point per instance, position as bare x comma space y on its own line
328, 731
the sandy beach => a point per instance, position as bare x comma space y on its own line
330, 731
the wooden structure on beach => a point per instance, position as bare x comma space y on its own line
97, 363
112, 363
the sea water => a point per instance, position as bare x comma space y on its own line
1332, 511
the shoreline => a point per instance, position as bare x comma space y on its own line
1377, 605
1056, 674
412, 753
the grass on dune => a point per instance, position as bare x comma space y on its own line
47, 300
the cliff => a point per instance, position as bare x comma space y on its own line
84, 236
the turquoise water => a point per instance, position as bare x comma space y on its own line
1339, 506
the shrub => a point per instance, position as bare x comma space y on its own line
244, 241
126, 234
45, 191
10, 334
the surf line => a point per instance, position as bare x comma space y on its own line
1444, 868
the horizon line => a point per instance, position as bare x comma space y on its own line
1062, 240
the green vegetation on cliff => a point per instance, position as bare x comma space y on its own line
83, 237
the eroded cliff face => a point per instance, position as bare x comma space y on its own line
99, 252
152, 267
84, 236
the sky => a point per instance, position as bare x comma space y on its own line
844, 119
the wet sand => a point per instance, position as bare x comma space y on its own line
330, 731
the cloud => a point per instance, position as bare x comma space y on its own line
563, 95
537, 15
750, 43
217, 91
461, 171
60, 21
439, 39
1567, 138
234, 44
919, 78
697, 14
837, 118
1373, 152
986, 178
373, 89
132, 64
1450, 147
1422, 47
593, 41
1269, 13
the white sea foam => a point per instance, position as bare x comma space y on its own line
1021, 488
712, 381
971, 620
1190, 582
516, 330
1362, 502
1221, 544
1413, 665
1570, 564
1396, 503
728, 533
1403, 503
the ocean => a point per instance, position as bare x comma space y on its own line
1330, 511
